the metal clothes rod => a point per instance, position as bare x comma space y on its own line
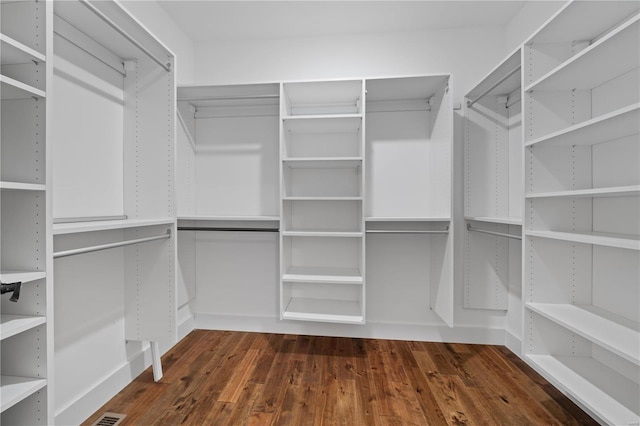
73, 252
195, 228
493, 86
499, 234
105, 18
405, 231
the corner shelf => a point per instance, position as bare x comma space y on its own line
603, 328
611, 126
629, 242
602, 391
15, 389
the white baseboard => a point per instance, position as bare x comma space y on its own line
372, 329
79, 410
513, 343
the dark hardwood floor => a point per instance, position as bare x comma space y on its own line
235, 378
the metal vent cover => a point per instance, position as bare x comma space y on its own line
109, 419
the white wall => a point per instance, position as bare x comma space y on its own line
466, 53
528, 20
160, 24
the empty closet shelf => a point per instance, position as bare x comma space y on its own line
618, 191
22, 276
505, 220
14, 389
105, 225
83, 250
309, 274
223, 229
321, 233
499, 234
21, 186
14, 89
408, 231
323, 310
631, 242
10, 325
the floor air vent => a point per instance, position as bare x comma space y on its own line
109, 419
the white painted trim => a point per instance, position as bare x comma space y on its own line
372, 329
79, 410
513, 343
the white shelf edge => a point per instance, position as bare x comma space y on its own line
320, 159
310, 233
406, 219
618, 191
323, 275
319, 116
34, 54
79, 227
586, 125
232, 218
21, 186
569, 62
596, 326
10, 325
10, 276
601, 239
517, 221
30, 90
296, 198
293, 312
15, 389
561, 372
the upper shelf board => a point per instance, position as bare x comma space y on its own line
405, 88
502, 88
13, 52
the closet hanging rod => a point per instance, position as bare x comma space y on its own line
499, 234
196, 228
406, 231
494, 85
82, 250
165, 65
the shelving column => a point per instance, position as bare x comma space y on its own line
322, 186
582, 203
26, 312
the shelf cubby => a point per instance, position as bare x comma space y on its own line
322, 98
322, 137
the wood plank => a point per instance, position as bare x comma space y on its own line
222, 377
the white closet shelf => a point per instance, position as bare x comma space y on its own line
323, 163
323, 310
497, 79
617, 191
13, 52
21, 186
10, 325
595, 17
323, 124
321, 233
232, 218
329, 275
79, 227
608, 127
630, 242
15, 389
323, 198
406, 219
614, 333
606, 393
290, 119
14, 89
506, 220
11, 276
596, 64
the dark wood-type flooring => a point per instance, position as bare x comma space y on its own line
235, 378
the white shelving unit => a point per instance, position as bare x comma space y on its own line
112, 137
582, 203
408, 201
322, 247
493, 162
26, 325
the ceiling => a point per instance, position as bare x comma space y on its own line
207, 20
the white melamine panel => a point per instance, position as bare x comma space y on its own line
23, 141
23, 22
322, 215
398, 165
615, 163
322, 137
555, 111
186, 281
551, 168
618, 215
619, 94
23, 230
185, 169
237, 166
87, 135
339, 181
615, 281
150, 286
237, 273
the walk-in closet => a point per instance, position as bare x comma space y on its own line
372, 212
